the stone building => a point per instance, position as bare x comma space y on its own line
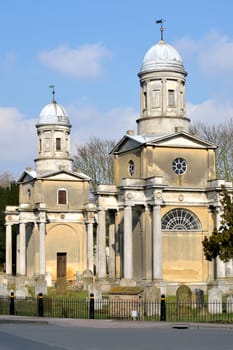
53, 217
150, 222
166, 195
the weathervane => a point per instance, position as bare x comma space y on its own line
53, 91
161, 21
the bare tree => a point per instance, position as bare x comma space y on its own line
94, 160
222, 136
6, 179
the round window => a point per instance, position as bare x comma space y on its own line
179, 166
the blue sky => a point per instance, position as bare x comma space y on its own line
92, 51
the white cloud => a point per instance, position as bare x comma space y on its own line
87, 122
17, 141
18, 138
210, 112
83, 62
213, 52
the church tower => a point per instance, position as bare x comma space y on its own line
53, 142
162, 91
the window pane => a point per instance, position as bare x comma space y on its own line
171, 98
61, 197
58, 144
180, 220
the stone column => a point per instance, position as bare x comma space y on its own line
8, 249
221, 267
42, 265
17, 254
128, 243
22, 247
112, 249
101, 244
156, 243
90, 260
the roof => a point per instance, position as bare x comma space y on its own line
53, 113
28, 176
162, 56
177, 139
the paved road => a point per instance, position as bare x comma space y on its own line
107, 335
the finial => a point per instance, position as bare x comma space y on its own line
53, 91
161, 21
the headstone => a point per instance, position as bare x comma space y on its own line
126, 302
152, 301
229, 305
184, 295
198, 299
48, 278
214, 301
3, 286
61, 285
41, 286
87, 280
21, 288
183, 301
3, 290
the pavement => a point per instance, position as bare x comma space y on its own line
87, 323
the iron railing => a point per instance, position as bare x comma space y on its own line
119, 309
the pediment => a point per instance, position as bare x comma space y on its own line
27, 176
181, 139
128, 143
65, 176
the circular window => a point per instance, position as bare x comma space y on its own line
131, 167
179, 166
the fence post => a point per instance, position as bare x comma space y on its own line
40, 305
92, 306
12, 303
163, 308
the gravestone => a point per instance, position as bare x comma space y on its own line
126, 302
183, 300
152, 301
87, 279
21, 288
214, 301
198, 299
3, 286
41, 286
229, 305
61, 285
48, 278
184, 295
98, 301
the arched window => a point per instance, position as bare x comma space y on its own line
180, 220
62, 196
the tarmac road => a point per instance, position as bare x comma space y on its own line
51, 334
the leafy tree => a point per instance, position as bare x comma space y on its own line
94, 160
9, 195
220, 243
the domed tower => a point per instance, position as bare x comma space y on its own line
162, 93
53, 131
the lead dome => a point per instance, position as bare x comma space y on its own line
162, 56
53, 113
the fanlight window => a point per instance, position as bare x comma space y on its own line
180, 220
